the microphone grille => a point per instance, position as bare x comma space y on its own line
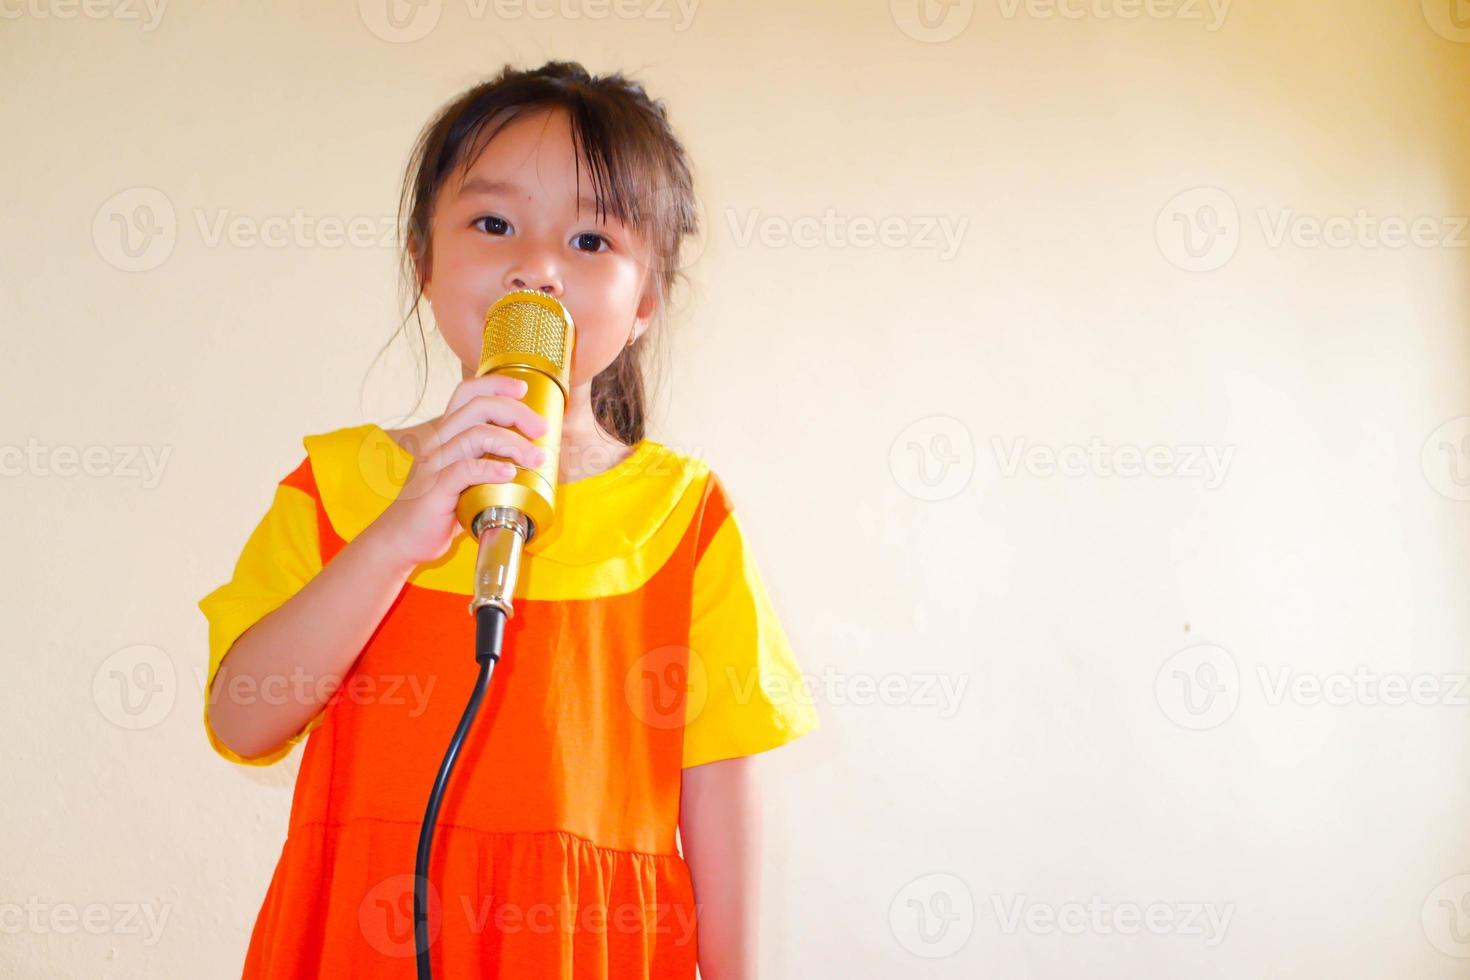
528, 322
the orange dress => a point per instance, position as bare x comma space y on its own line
643, 642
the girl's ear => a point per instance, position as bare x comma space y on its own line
421, 269
647, 307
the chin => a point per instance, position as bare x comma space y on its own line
580, 373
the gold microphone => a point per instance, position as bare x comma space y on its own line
528, 335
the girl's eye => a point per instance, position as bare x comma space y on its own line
590, 236
495, 226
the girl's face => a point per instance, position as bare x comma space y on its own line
516, 224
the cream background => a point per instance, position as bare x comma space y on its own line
1332, 834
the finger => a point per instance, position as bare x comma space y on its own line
499, 410
464, 473
482, 440
490, 384
480, 410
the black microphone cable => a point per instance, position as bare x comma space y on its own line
489, 634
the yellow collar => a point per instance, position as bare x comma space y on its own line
613, 529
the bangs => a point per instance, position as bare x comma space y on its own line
611, 148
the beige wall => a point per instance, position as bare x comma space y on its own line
1077, 757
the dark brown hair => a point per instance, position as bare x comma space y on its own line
639, 171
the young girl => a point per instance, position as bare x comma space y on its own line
643, 664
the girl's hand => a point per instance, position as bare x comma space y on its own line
420, 524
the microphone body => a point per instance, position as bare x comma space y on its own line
528, 335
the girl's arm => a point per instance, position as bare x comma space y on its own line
720, 829
319, 633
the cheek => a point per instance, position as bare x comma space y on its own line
462, 294
589, 356
599, 340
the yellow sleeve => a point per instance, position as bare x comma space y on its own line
746, 694
281, 555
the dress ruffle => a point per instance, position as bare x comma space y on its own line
540, 906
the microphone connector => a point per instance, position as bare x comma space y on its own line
502, 532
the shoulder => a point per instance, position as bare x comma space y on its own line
706, 496
686, 474
354, 472
669, 462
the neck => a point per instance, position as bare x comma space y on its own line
586, 448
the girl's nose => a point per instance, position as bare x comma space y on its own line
549, 288
534, 273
